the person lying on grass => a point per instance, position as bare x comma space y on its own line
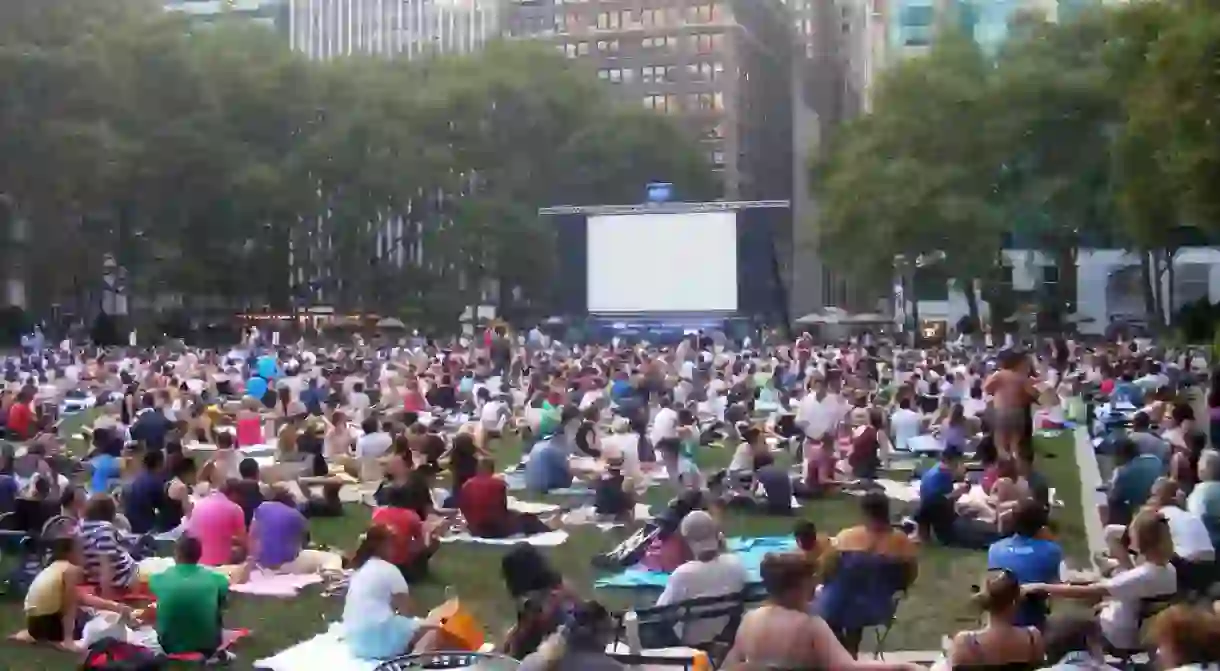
55, 609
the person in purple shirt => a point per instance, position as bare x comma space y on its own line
277, 534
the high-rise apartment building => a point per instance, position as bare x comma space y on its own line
722, 66
407, 28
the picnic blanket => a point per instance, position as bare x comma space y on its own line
749, 550
324, 651
270, 583
546, 540
908, 492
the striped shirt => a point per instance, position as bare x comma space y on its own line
102, 540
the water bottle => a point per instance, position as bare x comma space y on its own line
631, 625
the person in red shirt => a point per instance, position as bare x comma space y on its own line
414, 542
483, 501
21, 416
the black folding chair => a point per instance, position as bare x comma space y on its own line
450, 660
728, 606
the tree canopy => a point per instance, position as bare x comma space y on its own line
1093, 132
215, 164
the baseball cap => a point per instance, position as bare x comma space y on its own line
701, 532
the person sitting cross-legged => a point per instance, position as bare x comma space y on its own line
375, 620
189, 601
483, 501
53, 604
415, 540
278, 534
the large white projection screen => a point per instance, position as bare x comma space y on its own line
663, 262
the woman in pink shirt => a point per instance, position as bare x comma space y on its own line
413, 400
249, 424
218, 523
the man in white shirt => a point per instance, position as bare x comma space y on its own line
374, 443
820, 412
906, 424
665, 424
711, 573
359, 402
494, 414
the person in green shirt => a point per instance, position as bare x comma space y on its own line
189, 600
549, 422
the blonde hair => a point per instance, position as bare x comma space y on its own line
1191, 633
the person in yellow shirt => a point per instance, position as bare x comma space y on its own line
53, 604
816, 546
871, 564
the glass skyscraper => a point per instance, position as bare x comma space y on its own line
913, 22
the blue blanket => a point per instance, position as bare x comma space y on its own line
749, 550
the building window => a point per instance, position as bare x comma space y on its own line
658, 42
608, 46
714, 132
704, 13
657, 74
717, 158
705, 72
705, 102
652, 17
616, 75
661, 103
708, 42
582, 48
569, 50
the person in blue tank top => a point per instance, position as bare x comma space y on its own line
1028, 556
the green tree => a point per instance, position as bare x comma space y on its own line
917, 176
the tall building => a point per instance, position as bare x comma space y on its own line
722, 66
409, 28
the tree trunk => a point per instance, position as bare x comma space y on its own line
1170, 278
972, 306
1158, 292
1147, 284
908, 294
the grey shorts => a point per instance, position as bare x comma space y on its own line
1008, 419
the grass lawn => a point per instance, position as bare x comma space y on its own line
936, 605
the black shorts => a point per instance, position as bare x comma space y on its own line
47, 628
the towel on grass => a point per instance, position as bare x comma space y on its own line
269, 583
547, 540
750, 551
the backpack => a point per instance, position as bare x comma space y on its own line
111, 654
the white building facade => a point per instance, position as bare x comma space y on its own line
329, 28
1108, 285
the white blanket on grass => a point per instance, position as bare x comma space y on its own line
908, 492
547, 540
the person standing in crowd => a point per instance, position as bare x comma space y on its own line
1012, 392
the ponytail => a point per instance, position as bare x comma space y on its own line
370, 541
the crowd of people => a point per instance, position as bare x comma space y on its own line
227, 455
